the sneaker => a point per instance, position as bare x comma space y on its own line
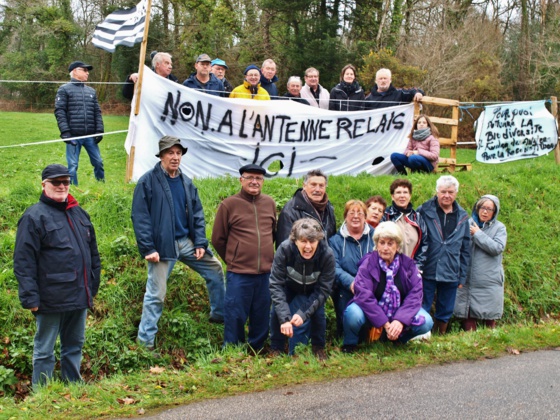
348, 348
319, 353
422, 337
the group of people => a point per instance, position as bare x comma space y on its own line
383, 267
260, 83
80, 122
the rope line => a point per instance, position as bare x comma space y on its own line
61, 140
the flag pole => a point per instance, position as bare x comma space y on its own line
143, 46
138, 88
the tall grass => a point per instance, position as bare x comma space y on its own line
528, 191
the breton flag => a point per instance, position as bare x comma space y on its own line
123, 27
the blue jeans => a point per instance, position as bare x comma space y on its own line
445, 298
355, 320
208, 267
414, 162
247, 297
71, 326
314, 328
73, 158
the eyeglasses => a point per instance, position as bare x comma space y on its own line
488, 209
253, 178
354, 213
57, 182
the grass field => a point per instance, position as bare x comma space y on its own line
123, 380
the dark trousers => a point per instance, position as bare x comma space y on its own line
247, 297
445, 298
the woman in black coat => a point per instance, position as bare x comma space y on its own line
348, 95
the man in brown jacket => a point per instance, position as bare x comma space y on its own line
243, 236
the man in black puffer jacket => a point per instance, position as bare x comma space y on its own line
78, 114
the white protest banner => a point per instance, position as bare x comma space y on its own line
224, 134
519, 130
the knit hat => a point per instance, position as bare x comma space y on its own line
251, 67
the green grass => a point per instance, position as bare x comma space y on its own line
195, 366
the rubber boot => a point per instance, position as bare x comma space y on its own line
469, 324
440, 327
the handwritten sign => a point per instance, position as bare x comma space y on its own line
520, 130
224, 134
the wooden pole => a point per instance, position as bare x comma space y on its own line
554, 108
138, 88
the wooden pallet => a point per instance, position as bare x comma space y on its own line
451, 165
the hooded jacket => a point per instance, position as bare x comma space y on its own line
77, 111
245, 91
298, 208
391, 97
407, 280
313, 278
214, 86
483, 293
392, 214
348, 252
153, 215
347, 97
447, 260
56, 260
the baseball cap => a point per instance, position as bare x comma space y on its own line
203, 57
54, 171
219, 62
76, 64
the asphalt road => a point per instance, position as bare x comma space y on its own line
525, 386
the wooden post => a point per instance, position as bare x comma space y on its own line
138, 88
554, 108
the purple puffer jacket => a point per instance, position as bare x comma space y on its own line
366, 282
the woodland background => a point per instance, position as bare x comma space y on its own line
470, 50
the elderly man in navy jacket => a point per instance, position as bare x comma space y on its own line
57, 265
169, 225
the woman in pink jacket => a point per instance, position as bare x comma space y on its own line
422, 152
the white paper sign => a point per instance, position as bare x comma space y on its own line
519, 130
224, 134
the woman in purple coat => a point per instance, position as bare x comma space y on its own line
387, 294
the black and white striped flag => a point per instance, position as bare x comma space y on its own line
123, 27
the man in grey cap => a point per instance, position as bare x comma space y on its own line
203, 79
168, 221
243, 236
219, 68
57, 265
78, 114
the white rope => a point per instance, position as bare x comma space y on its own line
61, 83
61, 140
